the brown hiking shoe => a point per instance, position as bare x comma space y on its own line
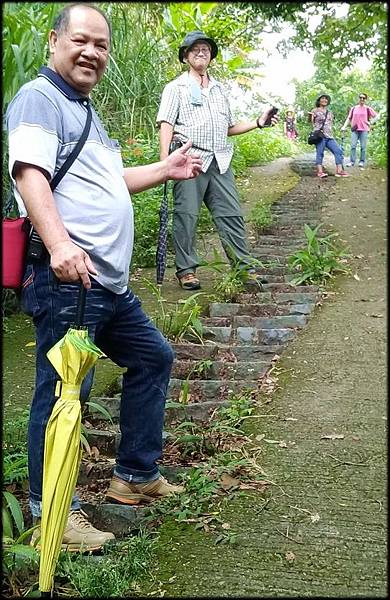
127, 492
79, 535
189, 282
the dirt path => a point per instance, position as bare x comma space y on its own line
320, 530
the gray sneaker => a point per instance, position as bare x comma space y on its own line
350, 164
361, 166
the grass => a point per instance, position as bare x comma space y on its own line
113, 575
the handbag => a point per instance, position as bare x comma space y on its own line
19, 239
317, 135
15, 232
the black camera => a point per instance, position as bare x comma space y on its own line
36, 249
175, 144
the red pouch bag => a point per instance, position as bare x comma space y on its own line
15, 233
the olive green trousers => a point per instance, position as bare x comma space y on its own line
219, 193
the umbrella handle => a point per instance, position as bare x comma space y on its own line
81, 306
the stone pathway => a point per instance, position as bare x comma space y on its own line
320, 530
243, 339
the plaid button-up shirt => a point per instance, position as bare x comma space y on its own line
206, 124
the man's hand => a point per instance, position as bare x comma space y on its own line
70, 263
181, 165
264, 116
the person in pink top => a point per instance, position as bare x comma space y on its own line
359, 118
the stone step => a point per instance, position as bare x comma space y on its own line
224, 351
245, 335
277, 259
107, 440
121, 520
250, 335
259, 322
279, 240
287, 288
258, 310
280, 229
221, 369
254, 351
199, 412
277, 297
188, 350
269, 269
290, 215
276, 250
200, 390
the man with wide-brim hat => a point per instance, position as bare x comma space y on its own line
191, 39
196, 106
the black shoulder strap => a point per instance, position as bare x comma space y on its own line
323, 124
76, 151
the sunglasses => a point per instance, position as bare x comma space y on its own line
362, 98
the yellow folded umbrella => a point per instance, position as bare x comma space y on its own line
72, 357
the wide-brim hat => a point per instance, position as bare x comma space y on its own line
191, 39
323, 96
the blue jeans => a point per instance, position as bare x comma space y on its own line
126, 335
358, 136
333, 146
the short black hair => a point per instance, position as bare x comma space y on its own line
61, 21
322, 96
363, 94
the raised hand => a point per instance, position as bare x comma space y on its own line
181, 165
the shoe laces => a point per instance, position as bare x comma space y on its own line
79, 519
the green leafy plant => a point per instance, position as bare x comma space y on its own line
19, 558
180, 322
240, 406
15, 449
318, 262
201, 367
192, 439
232, 281
15, 468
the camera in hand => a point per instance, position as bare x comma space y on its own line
271, 114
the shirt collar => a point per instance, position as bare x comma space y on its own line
185, 78
61, 84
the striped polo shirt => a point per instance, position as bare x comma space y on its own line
205, 122
45, 120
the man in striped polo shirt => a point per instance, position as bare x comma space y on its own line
195, 106
86, 226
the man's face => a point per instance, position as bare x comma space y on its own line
199, 55
80, 53
362, 99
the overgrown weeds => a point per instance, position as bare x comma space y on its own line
182, 320
115, 574
320, 260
